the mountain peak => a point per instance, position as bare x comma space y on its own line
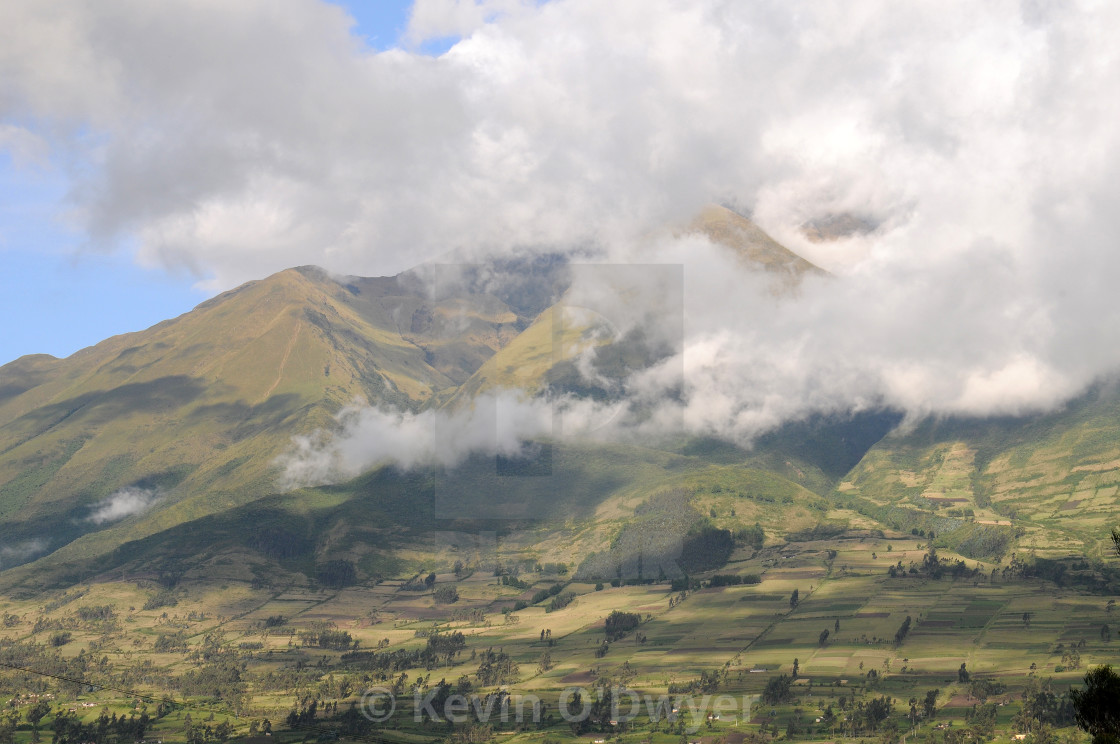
750, 242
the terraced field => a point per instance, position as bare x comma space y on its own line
1012, 633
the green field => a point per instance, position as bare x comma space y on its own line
727, 641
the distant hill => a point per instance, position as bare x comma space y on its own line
1051, 480
193, 410
156, 451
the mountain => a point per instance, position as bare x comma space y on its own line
159, 448
751, 244
1050, 482
194, 410
176, 429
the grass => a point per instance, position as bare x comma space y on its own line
730, 630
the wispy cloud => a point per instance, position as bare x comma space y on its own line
123, 503
20, 552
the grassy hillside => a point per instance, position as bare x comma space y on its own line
752, 244
227, 649
195, 409
387, 520
1050, 480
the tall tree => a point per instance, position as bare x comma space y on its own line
1097, 706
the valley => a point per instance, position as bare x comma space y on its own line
165, 577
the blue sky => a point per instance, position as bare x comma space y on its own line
58, 294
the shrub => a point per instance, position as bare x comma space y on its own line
619, 623
446, 594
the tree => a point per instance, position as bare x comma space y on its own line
836, 627
824, 637
1097, 706
900, 634
777, 690
796, 667
35, 714
430, 579
962, 673
929, 705
1027, 619
1044, 735
793, 599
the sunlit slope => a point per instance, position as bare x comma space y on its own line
197, 408
751, 243
390, 523
1055, 476
543, 357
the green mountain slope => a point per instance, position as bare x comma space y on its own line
1052, 479
389, 523
195, 409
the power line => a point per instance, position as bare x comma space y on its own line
122, 690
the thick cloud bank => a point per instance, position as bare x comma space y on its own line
978, 140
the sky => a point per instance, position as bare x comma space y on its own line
59, 291
154, 154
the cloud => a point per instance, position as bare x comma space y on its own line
12, 554
496, 423
433, 19
122, 503
233, 139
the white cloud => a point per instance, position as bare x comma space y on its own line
125, 502
500, 422
433, 19
235, 139
16, 553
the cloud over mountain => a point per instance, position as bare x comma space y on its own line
979, 141
123, 503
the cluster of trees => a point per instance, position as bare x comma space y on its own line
560, 601
441, 649
734, 580
163, 598
306, 714
69, 728
172, 642
516, 583
96, 613
544, 594
982, 688
903, 630
446, 646
337, 573
204, 733
619, 623
705, 549
778, 690
329, 638
934, 567
870, 715
752, 536
220, 679
446, 594
496, 668
708, 682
